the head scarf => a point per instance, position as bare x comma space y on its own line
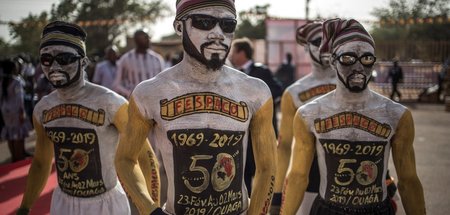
336, 32
64, 33
186, 6
308, 31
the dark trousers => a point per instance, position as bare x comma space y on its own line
322, 207
395, 91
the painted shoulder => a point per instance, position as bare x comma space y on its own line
394, 109
298, 85
315, 106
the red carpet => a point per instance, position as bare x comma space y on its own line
13, 178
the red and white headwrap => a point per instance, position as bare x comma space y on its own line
185, 6
339, 31
308, 31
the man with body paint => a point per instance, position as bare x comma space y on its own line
353, 130
201, 112
320, 81
79, 125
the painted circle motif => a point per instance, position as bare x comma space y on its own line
366, 173
79, 160
223, 172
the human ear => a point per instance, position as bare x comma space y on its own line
84, 62
178, 26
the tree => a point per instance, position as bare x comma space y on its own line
252, 22
104, 21
27, 33
412, 27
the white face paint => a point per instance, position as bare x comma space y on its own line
220, 41
60, 75
314, 50
355, 77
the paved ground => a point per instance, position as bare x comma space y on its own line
432, 146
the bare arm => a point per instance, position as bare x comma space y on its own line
409, 184
130, 147
298, 172
40, 167
285, 139
263, 143
147, 159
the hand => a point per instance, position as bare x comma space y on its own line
23, 211
158, 211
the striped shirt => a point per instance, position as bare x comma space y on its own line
133, 68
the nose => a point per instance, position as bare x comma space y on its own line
216, 33
55, 66
358, 67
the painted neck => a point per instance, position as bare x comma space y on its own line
73, 91
197, 71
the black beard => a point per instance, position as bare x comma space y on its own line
214, 64
69, 81
353, 89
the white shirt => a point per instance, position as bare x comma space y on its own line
133, 68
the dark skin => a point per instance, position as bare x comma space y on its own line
142, 41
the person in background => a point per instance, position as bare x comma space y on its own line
12, 108
168, 61
105, 71
286, 72
396, 76
241, 57
320, 81
26, 73
137, 65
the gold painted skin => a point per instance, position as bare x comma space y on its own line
320, 75
148, 163
192, 74
126, 160
304, 147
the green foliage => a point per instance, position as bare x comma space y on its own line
252, 23
27, 34
117, 17
127, 13
398, 28
404, 10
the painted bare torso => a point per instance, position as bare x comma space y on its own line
353, 146
201, 125
84, 138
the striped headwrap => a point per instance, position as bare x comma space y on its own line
308, 31
185, 6
64, 33
339, 31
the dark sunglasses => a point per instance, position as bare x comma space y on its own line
63, 59
316, 42
207, 22
350, 58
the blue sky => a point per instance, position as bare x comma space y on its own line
14, 10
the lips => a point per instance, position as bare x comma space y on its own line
215, 48
357, 78
56, 76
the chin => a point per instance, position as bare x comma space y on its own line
357, 89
